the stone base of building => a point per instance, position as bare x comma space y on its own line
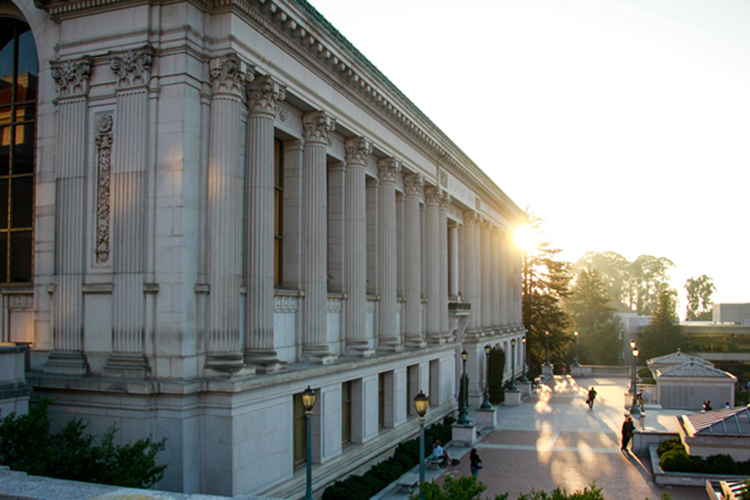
486, 419
524, 387
265, 361
227, 365
464, 435
512, 398
69, 363
130, 366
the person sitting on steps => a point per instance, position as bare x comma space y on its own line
439, 452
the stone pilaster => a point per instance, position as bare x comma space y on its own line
432, 265
389, 337
503, 280
471, 266
132, 70
518, 312
355, 246
229, 78
72, 79
413, 184
495, 277
263, 97
485, 276
317, 126
445, 200
453, 264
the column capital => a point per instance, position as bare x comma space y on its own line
72, 76
318, 124
264, 94
472, 218
231, 75
357, 150
432, 195
388, 168
445, 200
132, 67
485, 226
413, 184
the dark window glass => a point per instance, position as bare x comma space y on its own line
18, 109
346, 412
300, 432
278, 210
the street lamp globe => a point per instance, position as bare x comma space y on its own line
421, 403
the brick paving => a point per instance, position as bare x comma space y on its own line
554, 440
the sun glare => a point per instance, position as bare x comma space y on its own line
525, 238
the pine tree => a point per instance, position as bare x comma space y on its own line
664, 334
595, 321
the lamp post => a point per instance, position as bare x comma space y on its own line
421, 403
308, 401
463, 412
523, 360
512, 386
547, 363
634, 410
632, 384
576, 363
486, 405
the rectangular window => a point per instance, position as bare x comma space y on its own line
278, 210
381, 400
346, 412
300, 432
409, 382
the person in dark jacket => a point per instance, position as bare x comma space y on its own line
476, 462
627, 432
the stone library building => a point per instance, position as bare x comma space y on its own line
210, 205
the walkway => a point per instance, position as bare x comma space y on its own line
553, 439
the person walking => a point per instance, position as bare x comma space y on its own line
627, 432
639, 399
476, 462
591, 397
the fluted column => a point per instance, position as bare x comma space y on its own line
389, 335
445, 200
495, 278
129, 203
264, 95
432, 265
229, 78
315, 349
71, 78
503, 280
355, 246
485, 276
518, 316
413, 261
471, 265
453, 264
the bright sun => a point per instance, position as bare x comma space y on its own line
525, 238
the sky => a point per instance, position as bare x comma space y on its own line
624, 124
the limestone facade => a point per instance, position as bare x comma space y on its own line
230, 204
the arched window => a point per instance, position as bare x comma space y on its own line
18, 105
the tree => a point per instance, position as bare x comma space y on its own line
663, 335
545, 283
595, 321
700, 305
612, 267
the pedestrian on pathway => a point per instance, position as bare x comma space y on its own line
639, 398
627, 432
707, 405
476, 462
564, 369
591, 397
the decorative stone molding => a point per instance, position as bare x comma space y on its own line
443, 178
471, 218
432, 195
21, 302
285, 304
230, 74
445, 200
132, 67
371, 305
413, 184
388, 169
264, 94
334, 305
357, 150
72, 76
103, 174
318, 125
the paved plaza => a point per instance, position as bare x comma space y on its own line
553, 439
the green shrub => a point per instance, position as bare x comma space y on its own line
669, 445
741, 398
469, 488
645, 373
497, 363
27, 445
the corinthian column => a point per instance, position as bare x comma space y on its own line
445, 200
389, 335
412, 261
503, 280
229, 77
495, 277
263, 97
72, 78
432, 264
355, 246
485, 276
315, 238
471, 266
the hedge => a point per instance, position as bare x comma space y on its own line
674, 458
381, 475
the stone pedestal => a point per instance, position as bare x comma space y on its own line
486, 418
464, 435
524, 387
512, 398
547, 371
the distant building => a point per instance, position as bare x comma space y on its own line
208, 206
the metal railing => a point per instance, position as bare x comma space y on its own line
623, 371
